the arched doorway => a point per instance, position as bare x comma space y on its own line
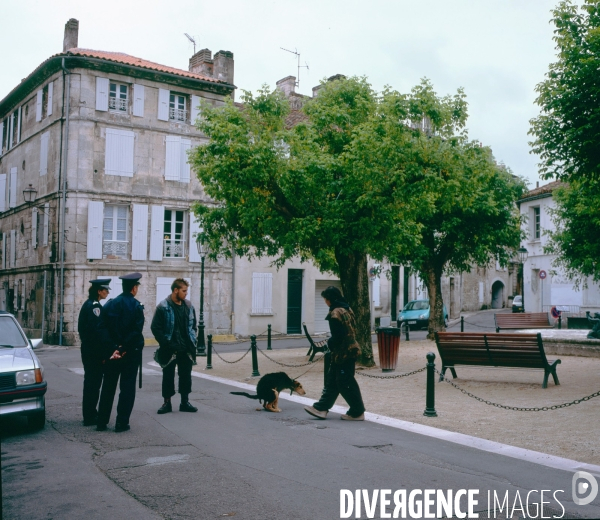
497, 294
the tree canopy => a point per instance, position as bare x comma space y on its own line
567, 136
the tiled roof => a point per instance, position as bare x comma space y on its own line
120, 57
545, 189
295, 117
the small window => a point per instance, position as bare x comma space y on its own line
177, 107
114, 231
536, 223
174, 233
117, 97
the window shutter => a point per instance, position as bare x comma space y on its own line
46, 222
44, 153
94, 236
38, 105
9, 136
12, 196
173, 158
19, 125
186, 144
34, 219
3, 178
23, 294
194, 109
194, 256
156, 232
138, 100
118, 159
139, 242
102, 94
1, 136
16, 295
13, 248
50, 98
3, 250
163, 104
262, 289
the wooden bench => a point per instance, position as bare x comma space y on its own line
494, 350
527, 320
319, 346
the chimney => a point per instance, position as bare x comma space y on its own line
537, 184
202, 63
287, 85
71, 34
316, 89
223, 69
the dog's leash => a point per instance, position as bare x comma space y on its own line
310, 368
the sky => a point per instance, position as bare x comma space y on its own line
498, 51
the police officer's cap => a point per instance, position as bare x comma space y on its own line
132, 278
101, 283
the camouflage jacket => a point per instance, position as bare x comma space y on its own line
342, 343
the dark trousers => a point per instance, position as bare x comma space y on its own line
184, 370
93, 372
123, 371
340, 380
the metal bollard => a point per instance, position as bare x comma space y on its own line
430, 395
209, 352
269, 337
255, 371
462, 323
559, 322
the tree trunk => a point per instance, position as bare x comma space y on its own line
433, 275
355, 286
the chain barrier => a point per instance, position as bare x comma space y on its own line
310, 368
517, 408
287, 365
487, 327
396, 376
230, 362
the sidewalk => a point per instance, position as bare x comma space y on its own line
569, 432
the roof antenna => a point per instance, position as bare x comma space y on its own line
305, 66
192, 40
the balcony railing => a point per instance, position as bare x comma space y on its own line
114, 249
173, 248
177, 114
117, 104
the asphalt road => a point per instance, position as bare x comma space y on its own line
229, 460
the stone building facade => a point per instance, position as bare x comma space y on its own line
98, 141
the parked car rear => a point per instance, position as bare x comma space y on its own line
517, 305
22, 384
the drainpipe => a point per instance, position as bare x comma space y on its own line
233, 292
61, 235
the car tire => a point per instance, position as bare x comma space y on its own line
37, 421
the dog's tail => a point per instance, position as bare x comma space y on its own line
245, 394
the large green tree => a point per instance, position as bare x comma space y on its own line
465, 212
567, 136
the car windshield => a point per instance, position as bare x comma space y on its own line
10, 335
418, 305
518, 299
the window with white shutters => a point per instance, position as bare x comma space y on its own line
3, 191
138, 100
163, 105
156, 233
139, 239
94, 234
177, 107
44, 138
118, 98
119, 152
114, 231
177, 167
194, 109
38, 105
174, 232
262, 293
50, 98
12, 193
102, 85
195, 229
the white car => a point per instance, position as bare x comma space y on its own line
22, 384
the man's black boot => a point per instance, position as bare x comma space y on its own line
165, 408
186, 406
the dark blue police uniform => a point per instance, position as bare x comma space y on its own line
124, 319
96, 347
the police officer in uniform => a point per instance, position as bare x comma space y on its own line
124, 319
96, 347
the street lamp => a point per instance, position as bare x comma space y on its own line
203, 250
522, 253
29, 194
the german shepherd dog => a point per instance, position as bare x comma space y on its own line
268, 389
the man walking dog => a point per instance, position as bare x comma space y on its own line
174, 327
344, 352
